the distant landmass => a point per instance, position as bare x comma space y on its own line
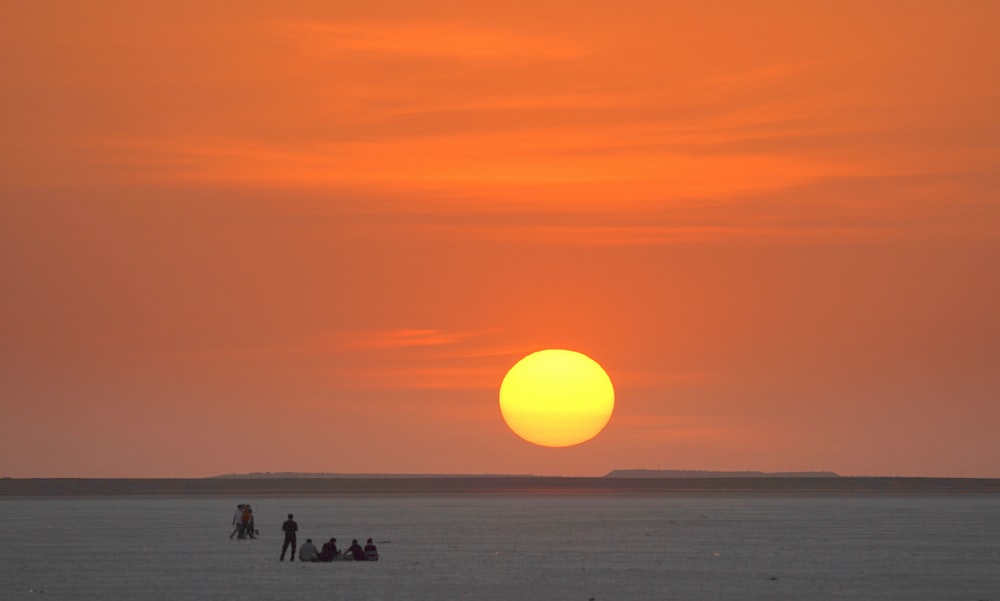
714, 474
617, 482
637, 473
361, 476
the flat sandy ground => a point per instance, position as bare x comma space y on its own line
518, 547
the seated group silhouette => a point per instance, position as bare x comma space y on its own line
330, 552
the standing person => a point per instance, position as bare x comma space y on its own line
251, 530
246, 521
290, 527
308, 551
356, 551
237, 521
371, 553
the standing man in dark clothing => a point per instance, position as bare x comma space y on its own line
290, 528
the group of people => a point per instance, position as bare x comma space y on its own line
243, 527
243, 522
329, 552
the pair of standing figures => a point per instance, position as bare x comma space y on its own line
243, 525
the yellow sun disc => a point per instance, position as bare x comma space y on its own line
556, 398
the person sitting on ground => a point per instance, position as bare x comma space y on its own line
371, 553
356, 551
329, 552
308, 551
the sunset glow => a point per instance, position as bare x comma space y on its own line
232, 235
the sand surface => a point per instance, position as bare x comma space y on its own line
537, 546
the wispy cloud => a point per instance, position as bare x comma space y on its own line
428, 39
403, 338
417, 359
389, 359
348, 341
513, 130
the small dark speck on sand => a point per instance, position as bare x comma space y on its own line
773, 578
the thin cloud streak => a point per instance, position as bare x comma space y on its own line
349, 342
414, 359
432, 39
404, 338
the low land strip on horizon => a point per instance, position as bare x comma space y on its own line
492, 485
634, 473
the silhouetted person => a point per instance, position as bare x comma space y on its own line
248, 525
238, 521
308, 551
329, 551
290, 528
371, 553
356, 550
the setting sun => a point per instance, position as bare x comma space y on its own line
556, 398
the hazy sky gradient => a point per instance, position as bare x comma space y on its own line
306, 236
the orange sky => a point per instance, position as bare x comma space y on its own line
314, 236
